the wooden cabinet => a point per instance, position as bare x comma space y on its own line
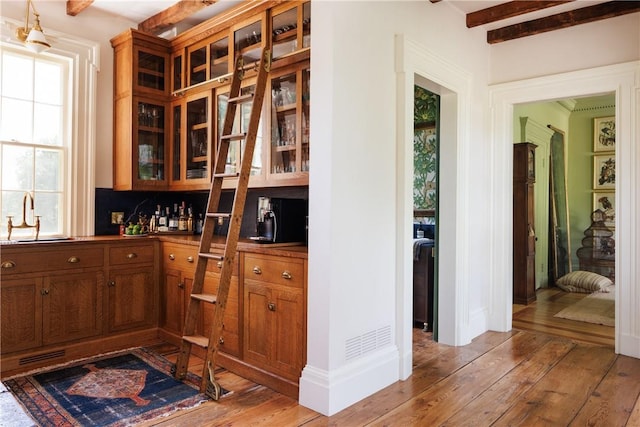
21, 301
274, 314
170, 99
62, 301
524, 238
131, 291
178, 271
141, 90
423, 274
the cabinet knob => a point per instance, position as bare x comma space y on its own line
189, 259
257, 270
44, 292
111, 283
132, 255
286, 275
221, 340
172, 257
8, 264
181, 285
271, 306
73, 260
219, 264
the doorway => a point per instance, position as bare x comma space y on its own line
543, 123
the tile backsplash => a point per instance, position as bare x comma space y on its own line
133, 203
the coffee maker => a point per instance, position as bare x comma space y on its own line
281, 220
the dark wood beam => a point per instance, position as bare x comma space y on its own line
74, 7
508, 10
172, 15
563, 20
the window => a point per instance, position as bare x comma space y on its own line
42, 126
34, 142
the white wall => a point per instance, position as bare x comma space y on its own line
98, 27
352, 273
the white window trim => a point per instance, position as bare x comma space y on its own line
85, 64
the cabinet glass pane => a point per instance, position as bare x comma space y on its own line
198, 66
219, 58
177, 72
284, 33
150, 141
283, 125
240, 124
177, 125
197, 139
247, 42
150, 70
304, 166
306, 25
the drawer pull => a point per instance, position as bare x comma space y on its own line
272, 306
219, 264
8, 264
257, 270
73, 260
172, 257
286, 275
189, 259
132, 256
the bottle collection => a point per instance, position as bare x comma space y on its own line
179, 220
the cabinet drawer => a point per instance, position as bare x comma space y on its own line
179, 256
71, 257
137, 254
273, 269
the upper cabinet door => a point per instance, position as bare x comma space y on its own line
290, 29
150, 71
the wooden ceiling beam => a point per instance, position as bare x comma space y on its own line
74, 7
172, 15
563, 20
508, 10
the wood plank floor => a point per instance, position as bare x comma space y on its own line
538, 316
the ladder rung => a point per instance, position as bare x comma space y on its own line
198, 340
211, 256
241, 99
226, 175
210, 298
218, 215
233, 136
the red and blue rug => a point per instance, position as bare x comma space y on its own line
115, 390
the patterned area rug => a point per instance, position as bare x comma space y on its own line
598, 307
118, 389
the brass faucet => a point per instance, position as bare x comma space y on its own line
24, 224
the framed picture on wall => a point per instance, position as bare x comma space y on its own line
604, 134
606, 202
604, 171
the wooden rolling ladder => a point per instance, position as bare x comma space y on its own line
218, 301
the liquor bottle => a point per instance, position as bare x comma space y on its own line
173, 219
163, 221
182, 220
190, 220
199, 224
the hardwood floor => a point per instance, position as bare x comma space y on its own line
501, 379
517, 378
538, 316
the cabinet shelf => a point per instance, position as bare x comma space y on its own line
285, 36
151, 72
221, 60
150, 129
198, 159
199, 68
199, 126
286, 108
281, 148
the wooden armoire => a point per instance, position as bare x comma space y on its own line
524, 238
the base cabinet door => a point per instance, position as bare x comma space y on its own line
173, 305
72, 306
131, 299
21, 308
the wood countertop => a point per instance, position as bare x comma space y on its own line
295, 250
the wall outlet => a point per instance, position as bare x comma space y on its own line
117, 217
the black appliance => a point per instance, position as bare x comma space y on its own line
281, 220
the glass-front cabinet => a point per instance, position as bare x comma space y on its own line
291, 29
149, 164
150, 69
241, 125
289, 156
247, 41
191, 142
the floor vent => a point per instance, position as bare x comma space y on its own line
41, 357
367, 342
